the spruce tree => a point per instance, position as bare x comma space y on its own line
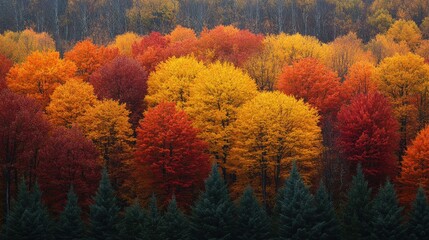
213, 213
28, 218
174, 224
103, 215
253, 222
387, 215
70, 225
131, 226
152, 221
296, 209
327, 223
418, 225
357, 211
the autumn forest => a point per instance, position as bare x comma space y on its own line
214, 120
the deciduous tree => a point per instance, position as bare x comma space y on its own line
406, 31
5, 65
124, 42
360, 79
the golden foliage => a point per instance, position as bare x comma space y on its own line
405, 31
124, 42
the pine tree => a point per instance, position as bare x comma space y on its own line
296, 209
387, 215
418, 225
132, 225
70, 225
327, 223
103, 216
152, 221
357, 212
174, 224
28, 219
253, 222
213, 213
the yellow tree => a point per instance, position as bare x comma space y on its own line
271, 131
405, 78
382, 46
279, 50
405, 31
344, 51
107, 125
40, 74
214, 98
70, 101
124, 42
172, 80
18, 45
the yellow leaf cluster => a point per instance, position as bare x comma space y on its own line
172, 80
70, 101
271, 131
215, 96
18, 45
279, 50
40, 74
382, 46
124, 42
405, 31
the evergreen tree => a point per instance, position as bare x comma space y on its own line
253, 222
103, 215
418, 225
357, 212
296, 208
28, 219
387, 215
174, 224
70, 225
327, 223
152, 221
132, 225
213, 213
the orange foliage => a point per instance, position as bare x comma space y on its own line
415, 168
40, 74
360, 79
89, 57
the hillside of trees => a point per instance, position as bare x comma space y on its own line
98, 119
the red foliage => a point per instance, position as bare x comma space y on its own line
122, 79
155, 48
175, 157
226, 43
23, 130
5, 65
415, 168
368, 134
314, 82
68, 159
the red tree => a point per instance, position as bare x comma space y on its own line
124, 80
169, 150
23, 130
314, 82
227, 43
415, 168
5, 65
368, 134
68, 159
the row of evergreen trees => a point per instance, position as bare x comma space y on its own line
297, 215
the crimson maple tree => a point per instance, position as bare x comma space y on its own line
68, 159
124, 80
368, 134
169, 151
5, 65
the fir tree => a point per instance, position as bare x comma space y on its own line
253, 222
296, 209
213, 213
132, 225
152, 221
70, 225
174, 224
357, 212
387, 215
327, 223
103, 216
28, 218
418, 225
